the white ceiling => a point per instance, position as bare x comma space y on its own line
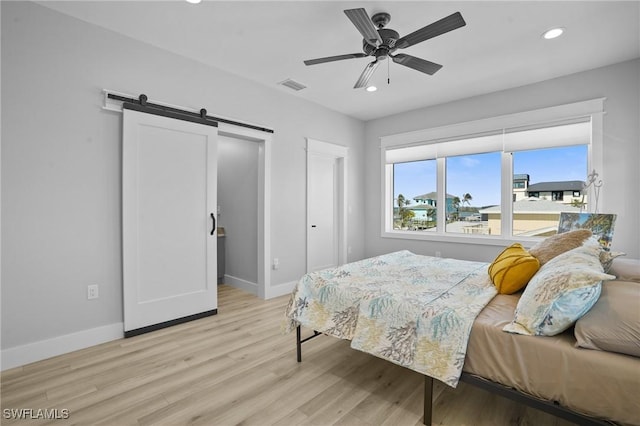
266, 41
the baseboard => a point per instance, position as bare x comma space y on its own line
248, 286
245, 285
43, 349
280, 289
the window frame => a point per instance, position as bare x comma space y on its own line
592, 109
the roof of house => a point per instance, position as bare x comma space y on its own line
535, 205
430, 196
567, 185
420, 207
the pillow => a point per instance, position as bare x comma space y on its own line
626, 269
512, 269
613, 324
557, 244
606, 258
562, 291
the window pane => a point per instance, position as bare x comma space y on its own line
473, 188
552, 183
414, 195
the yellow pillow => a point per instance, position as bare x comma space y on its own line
512, 269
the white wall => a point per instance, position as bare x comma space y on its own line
61, 184
237, 198
619, 83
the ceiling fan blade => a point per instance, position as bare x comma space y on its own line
366, 74
363, 23
334, 58
418, 64
435, 29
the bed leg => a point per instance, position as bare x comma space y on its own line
428, 397
298, 344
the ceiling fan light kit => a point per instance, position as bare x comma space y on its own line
381, 43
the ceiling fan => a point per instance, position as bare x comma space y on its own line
382, 42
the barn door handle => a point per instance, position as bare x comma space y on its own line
213, 217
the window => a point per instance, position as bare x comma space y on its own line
491, 179
547, 168
472, 182
414, 185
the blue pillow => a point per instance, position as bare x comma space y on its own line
563, 290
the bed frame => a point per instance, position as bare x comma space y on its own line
505, 391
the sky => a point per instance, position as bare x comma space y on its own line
479, 174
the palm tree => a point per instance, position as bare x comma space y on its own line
401, 201
460, 201
404, 214
455, 202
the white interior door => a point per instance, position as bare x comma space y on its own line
169, 195
322, 203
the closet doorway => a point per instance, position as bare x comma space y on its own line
238, 167
260, 205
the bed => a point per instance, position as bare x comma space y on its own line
444, 319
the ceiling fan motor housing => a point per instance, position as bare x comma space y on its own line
389, 38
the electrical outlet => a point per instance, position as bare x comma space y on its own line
276, 263
438, 254
92, 291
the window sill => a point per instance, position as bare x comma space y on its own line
495, 240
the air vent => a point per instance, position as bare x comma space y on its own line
292, 84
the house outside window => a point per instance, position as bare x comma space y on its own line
414, 211
484, 185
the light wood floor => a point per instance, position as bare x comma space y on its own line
237, 368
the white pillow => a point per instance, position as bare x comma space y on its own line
563, 290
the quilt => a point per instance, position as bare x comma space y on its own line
415, 311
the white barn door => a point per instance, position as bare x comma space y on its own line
169, 181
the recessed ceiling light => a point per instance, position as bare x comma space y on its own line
194, 1
553, 33
372, 89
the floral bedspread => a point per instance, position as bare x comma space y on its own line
415, 311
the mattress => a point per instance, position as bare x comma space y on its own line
412, 310
595, 383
